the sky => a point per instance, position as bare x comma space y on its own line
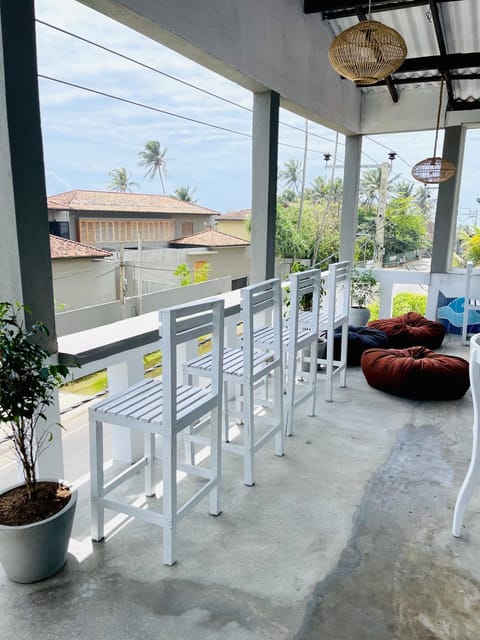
86, 135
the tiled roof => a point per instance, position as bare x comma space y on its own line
79, 200
211, 238
63, 248
241, 214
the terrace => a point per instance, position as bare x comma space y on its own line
347, 536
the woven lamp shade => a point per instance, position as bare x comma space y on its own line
433, 170
367, 52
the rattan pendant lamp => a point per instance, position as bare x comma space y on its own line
434, 170
367, 52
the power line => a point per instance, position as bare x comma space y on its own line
157, 109
171, 77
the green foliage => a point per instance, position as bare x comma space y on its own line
27, 387
185, 194
153, 158
199, 275
402, 303
471, 245
363, 287
121, 180
183, 272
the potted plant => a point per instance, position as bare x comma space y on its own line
36, 515
363, 287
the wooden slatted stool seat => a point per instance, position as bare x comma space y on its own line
164, 408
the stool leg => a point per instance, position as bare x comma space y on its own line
169, 445
343, 356
249, 435
97, 479
290, 396
149, 461
312, 377
471, 482
278, 411
215, 465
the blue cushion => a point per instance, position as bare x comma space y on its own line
359, 339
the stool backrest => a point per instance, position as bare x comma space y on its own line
181, 324
337, 299
304, 283
263, 298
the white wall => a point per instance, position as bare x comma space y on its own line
83, 282
98, 315
159, 265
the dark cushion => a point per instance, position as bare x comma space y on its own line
416, 373
411, 330
359, 339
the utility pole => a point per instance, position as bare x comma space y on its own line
139, 272
379, 249
123, 280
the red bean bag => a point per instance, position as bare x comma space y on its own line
411, 330
416, 373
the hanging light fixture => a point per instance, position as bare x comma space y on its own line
434, 170
367, 52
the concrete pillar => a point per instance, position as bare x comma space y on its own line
447, 202
264, 184
351, 181
25, 262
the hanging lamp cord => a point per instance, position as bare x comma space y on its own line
438, 118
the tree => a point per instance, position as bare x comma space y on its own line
154, 159
403, 188
185, 194
291, 175
120, 180
370, 185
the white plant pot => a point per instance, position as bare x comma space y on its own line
358, 316
33, 552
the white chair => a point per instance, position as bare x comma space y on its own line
334, 314
470, 304
472, 479
300, 332
163, 407
248, 368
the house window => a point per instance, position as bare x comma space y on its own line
60, 229
105, 231
187, 229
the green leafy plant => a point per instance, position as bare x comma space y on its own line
27, 385
363, 287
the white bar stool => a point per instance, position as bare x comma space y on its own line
247, 368
162, 407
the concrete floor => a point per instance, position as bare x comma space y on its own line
346, 536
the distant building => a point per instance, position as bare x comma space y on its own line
235, 223
226, 254
110, 219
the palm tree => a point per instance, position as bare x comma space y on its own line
154, 159
291, 175
185, 194
370, 185
120, 180
403, 189
422, 198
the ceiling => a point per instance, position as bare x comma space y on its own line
442, 38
